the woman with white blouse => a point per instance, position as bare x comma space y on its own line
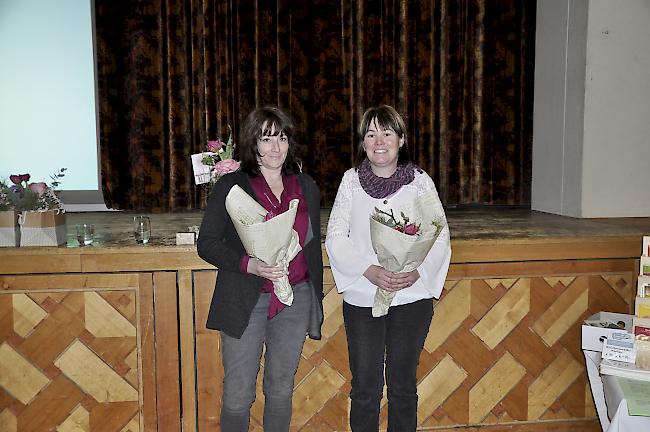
385, 178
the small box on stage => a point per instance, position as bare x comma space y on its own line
601, 326
185, 238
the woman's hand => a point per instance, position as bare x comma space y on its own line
259, 268
404, 280
390, 281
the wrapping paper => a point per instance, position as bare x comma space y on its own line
401, 253
202, 172
274, 241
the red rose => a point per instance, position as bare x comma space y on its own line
19, 178
411, 229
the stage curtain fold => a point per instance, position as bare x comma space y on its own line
173, 74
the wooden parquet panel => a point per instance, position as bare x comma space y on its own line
69, 354
502, 353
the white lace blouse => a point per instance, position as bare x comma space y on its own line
350, 250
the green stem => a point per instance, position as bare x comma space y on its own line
391, 215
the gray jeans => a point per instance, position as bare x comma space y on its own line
283, 336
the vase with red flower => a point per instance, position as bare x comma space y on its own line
32, 211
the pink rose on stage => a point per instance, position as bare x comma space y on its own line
215, 146
38, 188
226, 166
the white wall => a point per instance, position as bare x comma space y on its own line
616, 163
591, 131
560, 51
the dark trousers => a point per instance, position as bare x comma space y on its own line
398, 338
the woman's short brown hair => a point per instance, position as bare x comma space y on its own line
387, 118
267, 117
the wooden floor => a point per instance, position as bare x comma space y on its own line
517, 223
577, 426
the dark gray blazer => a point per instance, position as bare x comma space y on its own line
236, 293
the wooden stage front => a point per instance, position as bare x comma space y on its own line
112, 336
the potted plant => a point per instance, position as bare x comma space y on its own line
40, 212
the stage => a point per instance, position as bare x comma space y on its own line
471, 223
123, 327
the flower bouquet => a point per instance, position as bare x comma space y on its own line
215, 162
267, 237
36, 208
401, 244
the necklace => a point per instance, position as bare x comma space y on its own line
275, 207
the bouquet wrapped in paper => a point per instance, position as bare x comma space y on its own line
401, 243
273, 241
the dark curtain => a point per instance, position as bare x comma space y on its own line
174, 74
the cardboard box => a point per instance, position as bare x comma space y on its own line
593, 336
9, 229
185, 238
46, 228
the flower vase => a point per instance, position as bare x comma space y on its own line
9, 229
42, 228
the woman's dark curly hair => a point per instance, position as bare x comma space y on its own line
269, 118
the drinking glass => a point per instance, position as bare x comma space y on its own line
85, 234
141, 229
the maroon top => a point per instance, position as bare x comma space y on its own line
298, 266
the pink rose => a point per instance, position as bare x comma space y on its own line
226, 166
411, 229
215, 146
38, 188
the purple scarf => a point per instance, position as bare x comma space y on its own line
380, 187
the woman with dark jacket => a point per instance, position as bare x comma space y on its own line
244, 308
